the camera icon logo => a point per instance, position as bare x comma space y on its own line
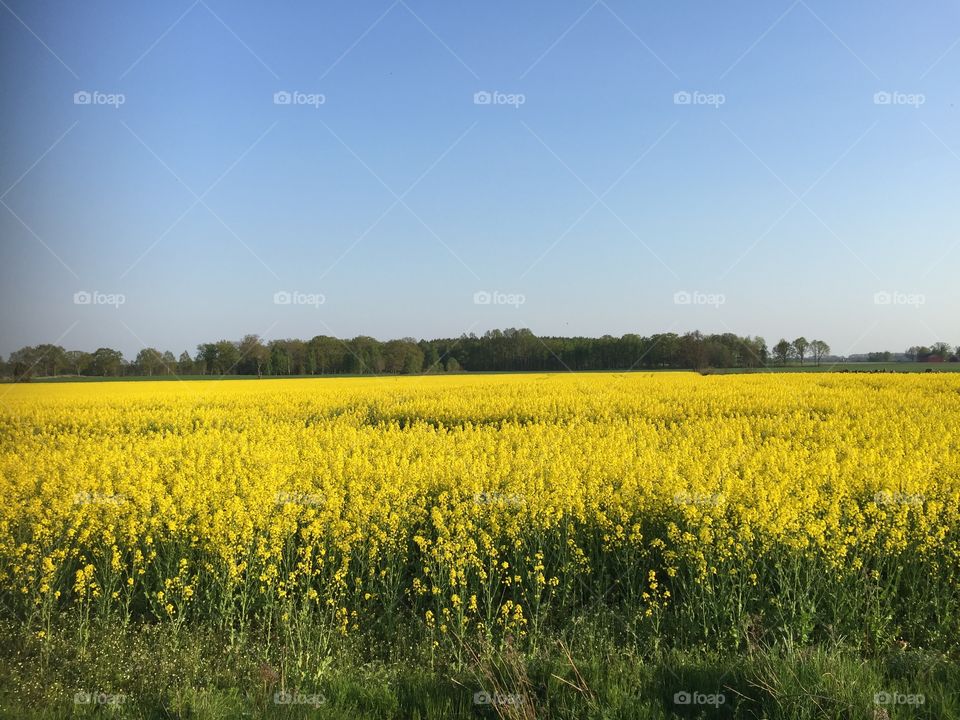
282, 97
82, 697
882, 98
82, 97
482, 98
682, 698
482, 297
682, 298
282, 297
82, 297
682, 98
482, 698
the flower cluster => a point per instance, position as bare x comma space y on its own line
494, 503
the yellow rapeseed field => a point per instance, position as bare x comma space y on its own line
700, 507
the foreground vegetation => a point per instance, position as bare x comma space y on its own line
584, 673
575, 545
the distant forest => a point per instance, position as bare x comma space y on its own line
495, 350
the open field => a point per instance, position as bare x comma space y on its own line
897, 367
562, 545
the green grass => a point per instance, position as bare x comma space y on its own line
585, 673
848, 367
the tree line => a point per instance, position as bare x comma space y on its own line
495, 350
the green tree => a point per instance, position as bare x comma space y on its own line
431, 357
185, 365
800, 346
149, 362
107, 362
23, 363
254, 355
169, 365
328, 354
940, 349
77, 361
819, 349
783, 351
206, 358
50, 359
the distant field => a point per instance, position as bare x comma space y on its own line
851, 367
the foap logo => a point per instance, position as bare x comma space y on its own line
688, 697
885, 497
98, 498
95, 297
696, 97
86, 697
295, 697
885, 697
499, 699
95, 97
685, 297
295, 97
885, 97
298, 498
295, 297
495, 297
495, 97
498, 498
698, 499
895, 297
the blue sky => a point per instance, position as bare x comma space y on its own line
786, 197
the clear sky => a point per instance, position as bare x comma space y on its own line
632, 157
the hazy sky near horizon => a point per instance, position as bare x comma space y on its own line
426, 169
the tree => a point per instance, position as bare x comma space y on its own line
50, 359
402, 356
227, 357
755, 352
169, 364
693, 351
23, 363
328, 354
254, 354
800, 346
783, 351
106, 362
206, 358
512, 349
431, 357
819, 349
185, 364
365, 355
77, 361
297, 352
941, 349
40, 360
149, 361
